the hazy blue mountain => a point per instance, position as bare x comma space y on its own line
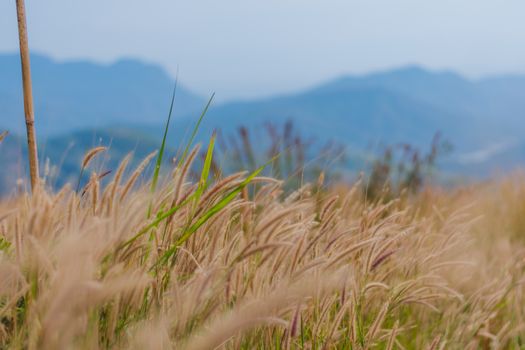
353, 116
431, 87
60, 156
81, 94
483, 119
125, 105
489, 107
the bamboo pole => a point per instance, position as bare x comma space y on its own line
28, 94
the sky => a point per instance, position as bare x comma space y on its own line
245, 49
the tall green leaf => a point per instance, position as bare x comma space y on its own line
195, 129
210, 213
206, 168
163, 145
158, 220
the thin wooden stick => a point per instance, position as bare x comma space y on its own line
28, 94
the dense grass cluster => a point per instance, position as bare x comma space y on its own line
241, 264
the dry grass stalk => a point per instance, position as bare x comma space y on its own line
28, 94
91, 154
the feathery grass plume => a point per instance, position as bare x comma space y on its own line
182, 173
88, 157
261, 311
133, 178
226, 183
114, 186
301, 274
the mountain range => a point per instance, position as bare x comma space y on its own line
127, 102
79, 94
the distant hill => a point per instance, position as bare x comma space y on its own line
484, 119
125, 104
60, 156
407, 104
80, 94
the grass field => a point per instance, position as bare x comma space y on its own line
240, 264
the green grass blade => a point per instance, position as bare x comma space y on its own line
220, 205
210, 213
158, 220
223, 202
158, 164
195, 129
206, 168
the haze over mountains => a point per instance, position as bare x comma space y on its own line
483, 119
80, 94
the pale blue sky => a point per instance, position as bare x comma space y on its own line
248, 48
